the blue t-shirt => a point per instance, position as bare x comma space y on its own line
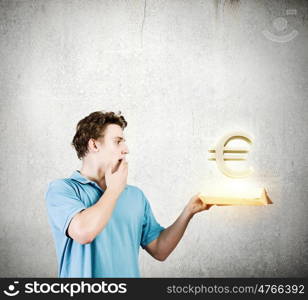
114, 252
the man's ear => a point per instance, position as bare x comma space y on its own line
93, 145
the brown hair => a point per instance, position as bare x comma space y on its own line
93, 126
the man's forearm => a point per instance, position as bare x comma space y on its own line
93, 219
170, 237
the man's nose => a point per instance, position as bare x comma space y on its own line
125, 150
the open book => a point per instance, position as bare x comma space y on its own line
263, 199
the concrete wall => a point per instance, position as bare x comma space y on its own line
183, 73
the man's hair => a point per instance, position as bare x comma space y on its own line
93, 126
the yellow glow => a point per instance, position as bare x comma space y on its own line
234, 187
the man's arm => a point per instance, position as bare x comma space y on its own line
87, 224
170, 237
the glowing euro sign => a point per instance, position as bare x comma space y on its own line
220, 156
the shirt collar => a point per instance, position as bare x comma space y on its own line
78, 177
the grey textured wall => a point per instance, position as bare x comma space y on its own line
183, 73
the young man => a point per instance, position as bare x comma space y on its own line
97, 220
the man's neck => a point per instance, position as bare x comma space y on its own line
93, 173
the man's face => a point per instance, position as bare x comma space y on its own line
112, 147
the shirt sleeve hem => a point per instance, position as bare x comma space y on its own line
70, 217
152, 237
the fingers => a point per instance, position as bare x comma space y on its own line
122, 165
197, 196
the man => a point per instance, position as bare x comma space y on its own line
97, 220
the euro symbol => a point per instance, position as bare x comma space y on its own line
221, 157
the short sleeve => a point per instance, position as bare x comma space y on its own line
151, 229
62, 204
